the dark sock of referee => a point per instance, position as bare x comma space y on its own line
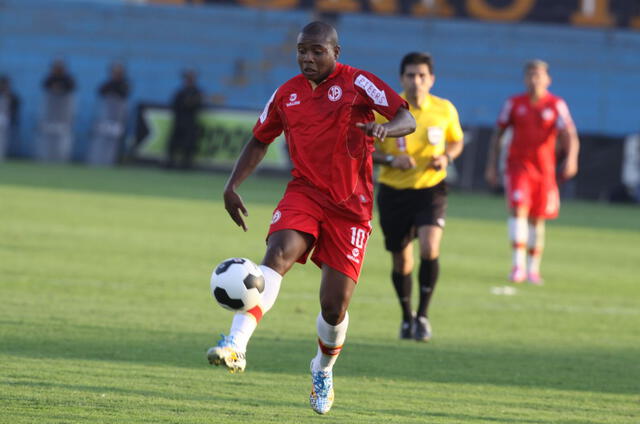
402, 284
427, 276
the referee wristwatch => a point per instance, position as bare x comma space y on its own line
449, 160
388, 160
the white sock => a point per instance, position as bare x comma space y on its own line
518, 234
535, 246
244, 323
330, 339
242, 328
272, 282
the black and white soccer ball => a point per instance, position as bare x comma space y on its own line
237, 284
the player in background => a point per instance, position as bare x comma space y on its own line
412, 196
538, 119
326, 113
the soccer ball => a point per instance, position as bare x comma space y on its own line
237, 284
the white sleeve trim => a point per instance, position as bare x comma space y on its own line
564, 117
265, 112
503, 118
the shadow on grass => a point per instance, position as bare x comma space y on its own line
554, 367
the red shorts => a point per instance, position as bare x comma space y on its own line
539, 196
340, 242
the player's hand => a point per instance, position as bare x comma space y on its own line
235, 207
568, 170
373, 129
403, 162
439, 162
491, 175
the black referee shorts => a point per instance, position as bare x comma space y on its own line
402, 211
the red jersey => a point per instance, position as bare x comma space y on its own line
535, 128
329, 153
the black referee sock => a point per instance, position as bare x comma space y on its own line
402, 284
428, 276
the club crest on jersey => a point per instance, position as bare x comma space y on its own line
522, 109
293, 100
547, 114
334, 93
435, 135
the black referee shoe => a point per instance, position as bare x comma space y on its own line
406, 330
422, 329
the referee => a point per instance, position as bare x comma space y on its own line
412, 197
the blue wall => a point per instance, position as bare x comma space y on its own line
242, 55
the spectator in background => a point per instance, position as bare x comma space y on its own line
55, 137
109, 127
9, 106
186, 105
537, 118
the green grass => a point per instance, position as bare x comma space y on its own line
106, 313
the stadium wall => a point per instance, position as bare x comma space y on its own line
243, 54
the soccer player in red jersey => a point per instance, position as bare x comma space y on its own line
538, 118
326, 113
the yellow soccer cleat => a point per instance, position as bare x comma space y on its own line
226, 353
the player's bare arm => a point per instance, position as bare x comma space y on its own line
491, 171
401, 124
569, 147
251, 155
451, 152
401, 161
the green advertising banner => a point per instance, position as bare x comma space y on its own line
224, 133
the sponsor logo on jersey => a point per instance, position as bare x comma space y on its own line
293, 100
378, 96
276, 216
547, 114
334, 93
353, 256
435, 135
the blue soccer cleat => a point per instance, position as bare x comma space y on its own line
321, 397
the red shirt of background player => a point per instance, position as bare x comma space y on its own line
535, 129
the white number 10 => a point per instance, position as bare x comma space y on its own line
358, 235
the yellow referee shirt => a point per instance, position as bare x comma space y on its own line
437, 123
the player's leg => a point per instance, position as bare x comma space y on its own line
401, 277
332, 322
535, 249
430, 237
518, 191
340, 253
518, 235
545, 205
284, 247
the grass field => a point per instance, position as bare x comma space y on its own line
106, 313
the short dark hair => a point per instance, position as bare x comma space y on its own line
416, 58
322, 29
